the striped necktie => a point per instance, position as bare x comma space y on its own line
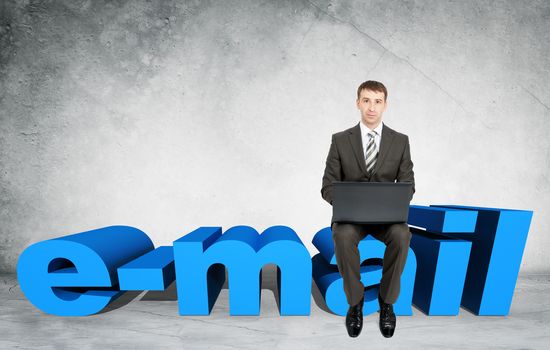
371, 154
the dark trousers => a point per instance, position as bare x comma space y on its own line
346, 238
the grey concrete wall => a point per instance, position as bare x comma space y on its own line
169, 115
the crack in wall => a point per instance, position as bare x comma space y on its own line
305, 34
236, 326
203, 321
535, 97
377, 61
353, 25
10, 288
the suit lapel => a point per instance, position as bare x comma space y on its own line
357, 146
385, 145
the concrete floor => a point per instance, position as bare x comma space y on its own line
141, 320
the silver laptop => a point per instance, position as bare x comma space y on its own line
370, 202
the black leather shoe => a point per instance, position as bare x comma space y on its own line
354, 319
387, 318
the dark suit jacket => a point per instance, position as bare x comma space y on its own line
346, 160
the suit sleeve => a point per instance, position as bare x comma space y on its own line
406, 173
332, 171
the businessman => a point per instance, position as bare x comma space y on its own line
370, 152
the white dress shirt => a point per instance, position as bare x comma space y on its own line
365, 137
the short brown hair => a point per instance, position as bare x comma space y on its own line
372, 85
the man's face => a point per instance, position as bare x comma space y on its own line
372, 105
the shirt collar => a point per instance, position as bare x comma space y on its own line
365, 129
